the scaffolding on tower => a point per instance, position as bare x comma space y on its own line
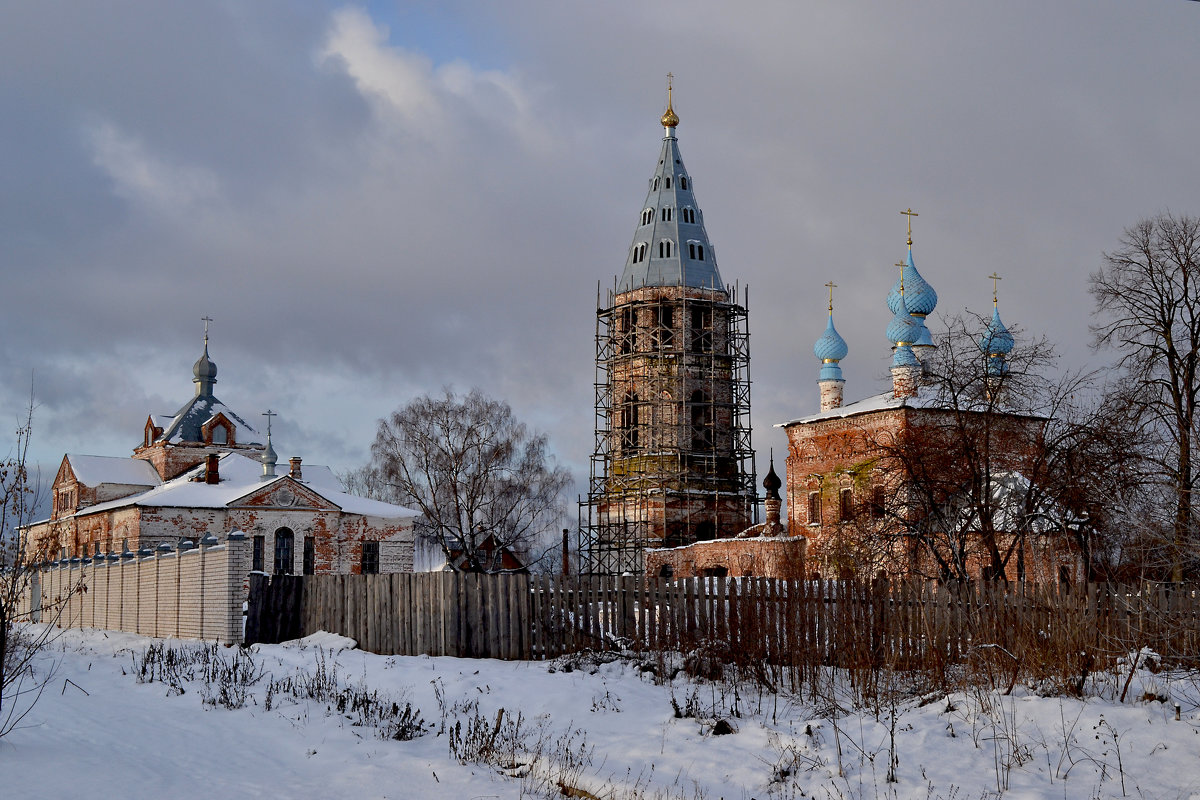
673, 460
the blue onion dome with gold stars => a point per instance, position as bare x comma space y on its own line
919, 296
830, 348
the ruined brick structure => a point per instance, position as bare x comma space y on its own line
673, 462
205, 471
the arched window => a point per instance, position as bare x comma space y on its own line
647, 216
285, 542
683, 181
702, 329
664, 248
702, 421
699, 252
639, 252
668, 182
656, 184
666, 214
688, 214
629, 421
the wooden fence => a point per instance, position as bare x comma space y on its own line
789, 622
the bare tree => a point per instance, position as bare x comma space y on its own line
20, 683
1148, 295
997, 456
480, 478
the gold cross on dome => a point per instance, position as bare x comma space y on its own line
910, 214
994, 278
901, 265
831, 286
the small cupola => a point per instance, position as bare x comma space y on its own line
830, 349
204, 371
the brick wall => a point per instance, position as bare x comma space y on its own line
195, 594
768, 557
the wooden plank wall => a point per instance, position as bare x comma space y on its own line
784, 622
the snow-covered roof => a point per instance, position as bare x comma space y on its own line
879, 402
242, 476
95, 470
186, 423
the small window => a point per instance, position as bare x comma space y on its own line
814, 508
370, 558
702, 329
683, 181
667, 214
656, 184
699, 252
846, 505
257, 564
639, 252
664, 248
647, 216
689, 215
629, 422
695, 251
220, 435
877, 502
310, 555
284, 550
668, 183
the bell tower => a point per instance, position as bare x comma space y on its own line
673, 461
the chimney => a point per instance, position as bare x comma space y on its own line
211, 472
294, 468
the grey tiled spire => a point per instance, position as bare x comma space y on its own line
670, 246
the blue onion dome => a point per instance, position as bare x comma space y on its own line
996, 366
904, 357
924, 337
996, 340
918, 294
903, 328
831, 346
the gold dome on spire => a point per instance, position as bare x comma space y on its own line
669, 119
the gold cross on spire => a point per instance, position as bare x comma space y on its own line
994, 278
910, 214
669, 118
831, 286
206, 319
901, 265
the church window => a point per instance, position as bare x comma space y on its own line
706, 531
695, 251
814, 508
310, 555
702, 333
629, 421
664, 248
639, 252
220, 434
668, 182
702, 421
625, 331
667, 213
683, 181
257, 563
699, 252
149, 436
877, 502
647, 216
284, 547
689, 214
846, 505
656, 184
664, 319
370, 558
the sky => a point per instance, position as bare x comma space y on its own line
374, 202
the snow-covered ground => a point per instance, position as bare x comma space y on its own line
602, 730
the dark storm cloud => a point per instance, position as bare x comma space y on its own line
375, 203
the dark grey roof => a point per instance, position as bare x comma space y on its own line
187, 422
695, 267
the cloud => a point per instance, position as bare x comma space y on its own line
148, 180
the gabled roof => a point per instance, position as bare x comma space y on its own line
241, 477
678, 269
95, 470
